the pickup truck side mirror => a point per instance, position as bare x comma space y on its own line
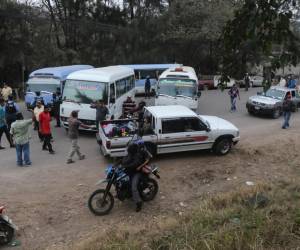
208, 129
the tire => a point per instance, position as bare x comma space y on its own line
222, 146
250, 112
8, 232
276, 113
148, 189
109, 203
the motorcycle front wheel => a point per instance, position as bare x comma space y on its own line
97, 205
148, 189
6, 234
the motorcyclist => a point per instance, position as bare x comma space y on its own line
134, 160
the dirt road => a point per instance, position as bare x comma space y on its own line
48, 200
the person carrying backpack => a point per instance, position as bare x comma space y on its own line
11, 110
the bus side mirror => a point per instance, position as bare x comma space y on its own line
199, 93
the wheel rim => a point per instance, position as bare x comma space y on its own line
225, 147
98, 205
148, 189
276, 113
4, 235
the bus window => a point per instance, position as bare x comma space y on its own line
121, 87
137, 75
112, 93
145, 73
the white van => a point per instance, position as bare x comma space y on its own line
111, 84
178, 86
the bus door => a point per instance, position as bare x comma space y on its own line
112, 99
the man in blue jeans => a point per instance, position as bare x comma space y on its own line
20, 132
287, 108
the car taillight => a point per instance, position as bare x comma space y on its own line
108, 144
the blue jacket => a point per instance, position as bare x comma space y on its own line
2, 117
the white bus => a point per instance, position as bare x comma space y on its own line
111, 84
178, 86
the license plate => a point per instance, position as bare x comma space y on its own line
256, 107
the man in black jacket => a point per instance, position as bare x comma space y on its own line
131, 162
287, 108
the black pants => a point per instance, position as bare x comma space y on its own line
9, 120
4, 129
57, 120
47, 142
147, 93
135, 179
37, 127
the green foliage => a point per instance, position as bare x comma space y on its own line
260, 31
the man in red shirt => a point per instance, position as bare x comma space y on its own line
45, 129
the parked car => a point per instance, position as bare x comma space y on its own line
255, 81
217, 82
270, 103
206, 82
174, 128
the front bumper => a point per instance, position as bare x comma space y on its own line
259, 109
64, 122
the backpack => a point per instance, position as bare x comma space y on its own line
10, 108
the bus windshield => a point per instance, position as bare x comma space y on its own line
42, 84
177, 87
85, 91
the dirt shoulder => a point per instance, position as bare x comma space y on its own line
50, 205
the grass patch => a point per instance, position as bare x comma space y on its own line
227, 221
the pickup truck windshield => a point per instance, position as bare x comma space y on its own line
177, 87
275, 93
42, 84
85, 91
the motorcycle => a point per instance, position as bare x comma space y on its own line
101, 201
7, 228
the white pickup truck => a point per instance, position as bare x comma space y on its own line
173, 129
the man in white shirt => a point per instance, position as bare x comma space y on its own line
6, 92
36, 113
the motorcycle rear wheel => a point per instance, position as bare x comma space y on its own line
95, 202
148, 189
8, 234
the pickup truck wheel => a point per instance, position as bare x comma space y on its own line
276, 113
222, 146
